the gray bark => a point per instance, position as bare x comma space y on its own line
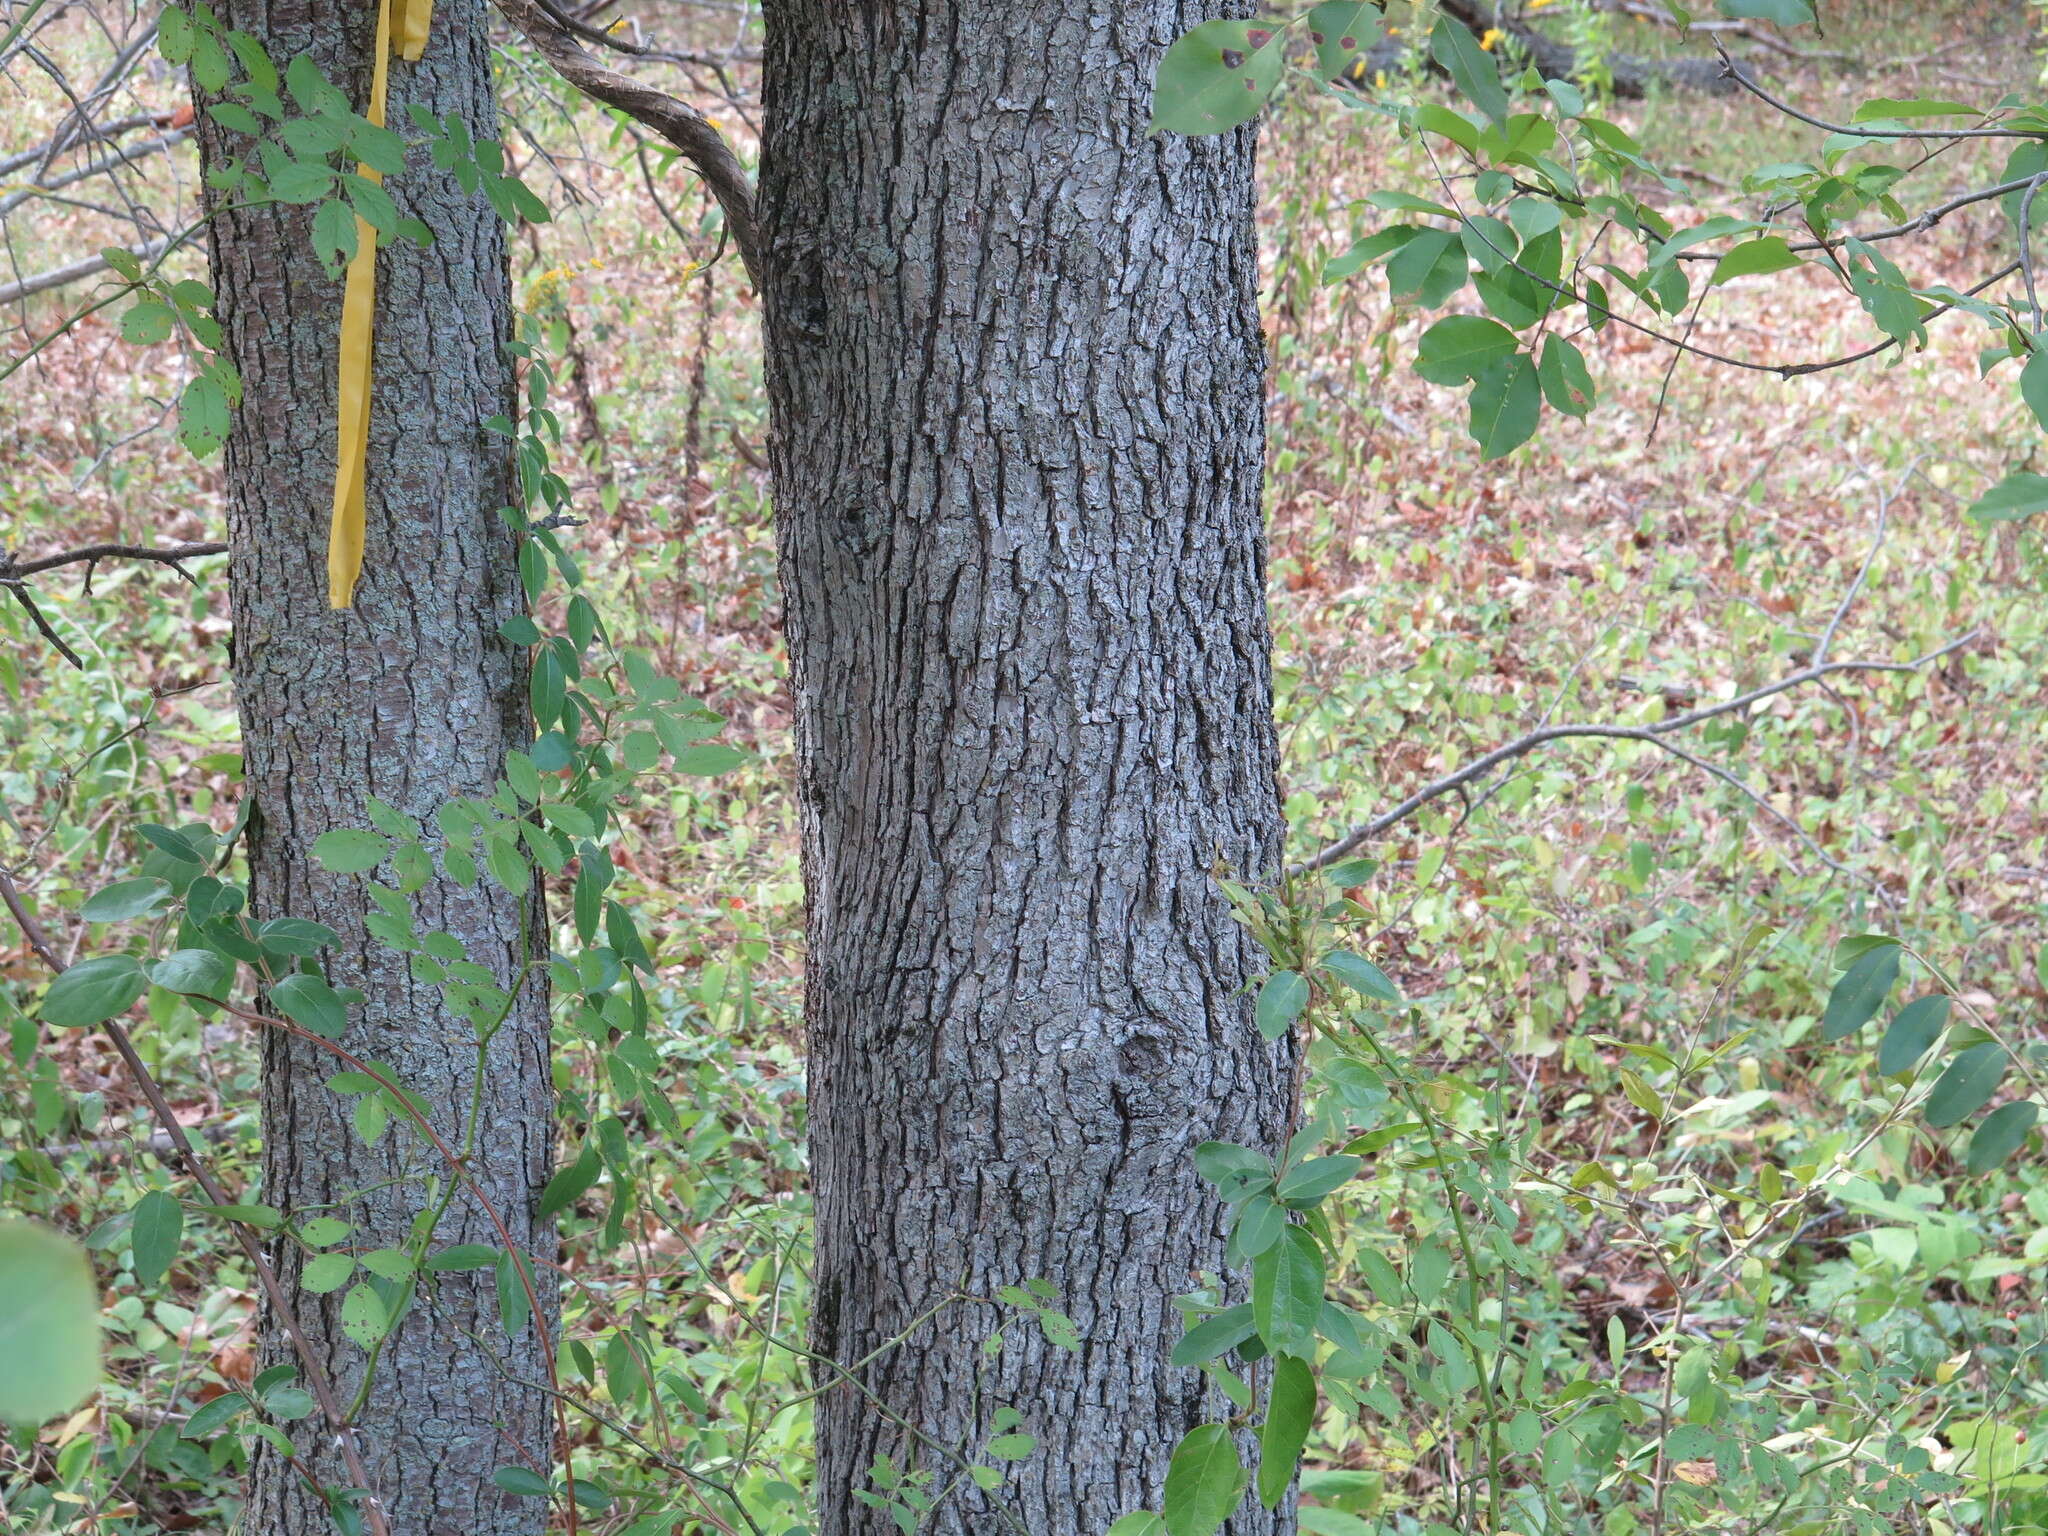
1016, 374
410, 696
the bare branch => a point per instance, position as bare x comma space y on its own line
1743, 78
77, 271
1656, 735
14, 569
676, 121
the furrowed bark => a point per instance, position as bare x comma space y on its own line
413, 697
1017, 382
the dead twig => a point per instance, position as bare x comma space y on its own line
689, 130
1657, 735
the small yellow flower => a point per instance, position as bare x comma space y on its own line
1380, 80
1537, 5
1489, 37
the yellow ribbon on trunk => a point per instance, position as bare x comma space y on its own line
358, 312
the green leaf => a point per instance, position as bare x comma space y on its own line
1786, 13
1507, 400
1318, 1177
1361, 975
296, 936
1910, 1034
1259, 1226
568, 1185
1567, 383
1012, 1447
2003, 1133
1475, 72
527, 1485
1861, 991
176, 844
268, 1217
1140, 1522
334, 235
712, 757
1281, 1000
387, 1263
49, 1323
463, 1256
235, 119
288, 1403
322, 1230
148, 322
1204, 1482
1966, 1084
311, 1003
1888, 107
1217, 76
2034, 382
349, 850
327, 1272
1455, 126
1290, 1413
210, 1416
1287, 1292
1218, 1161
174, 36
302, 181
125, 899
1753, 258
1381, 1276
1461, 347
123, 261
372, 202
309, 88
2018, 495
93, 991
1343, 31
377, 147
203, 416
1215, 1336
363, 1317
1428, 1269
157, 1223
1321, 1520
1427, 269
194, 972
1718, 227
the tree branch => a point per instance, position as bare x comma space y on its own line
702, 145
1655, 735
1743, 79
58, 277
13, 568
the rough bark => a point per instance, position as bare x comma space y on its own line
1016, 374
412, 697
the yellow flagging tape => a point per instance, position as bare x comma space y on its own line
358, 314
414, 17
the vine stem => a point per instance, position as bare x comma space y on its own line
1452, 1198
317, 1379
446, 1196
457, 1165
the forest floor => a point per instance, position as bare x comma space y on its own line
1690, 539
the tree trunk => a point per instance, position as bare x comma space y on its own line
1016, 373
412, 697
